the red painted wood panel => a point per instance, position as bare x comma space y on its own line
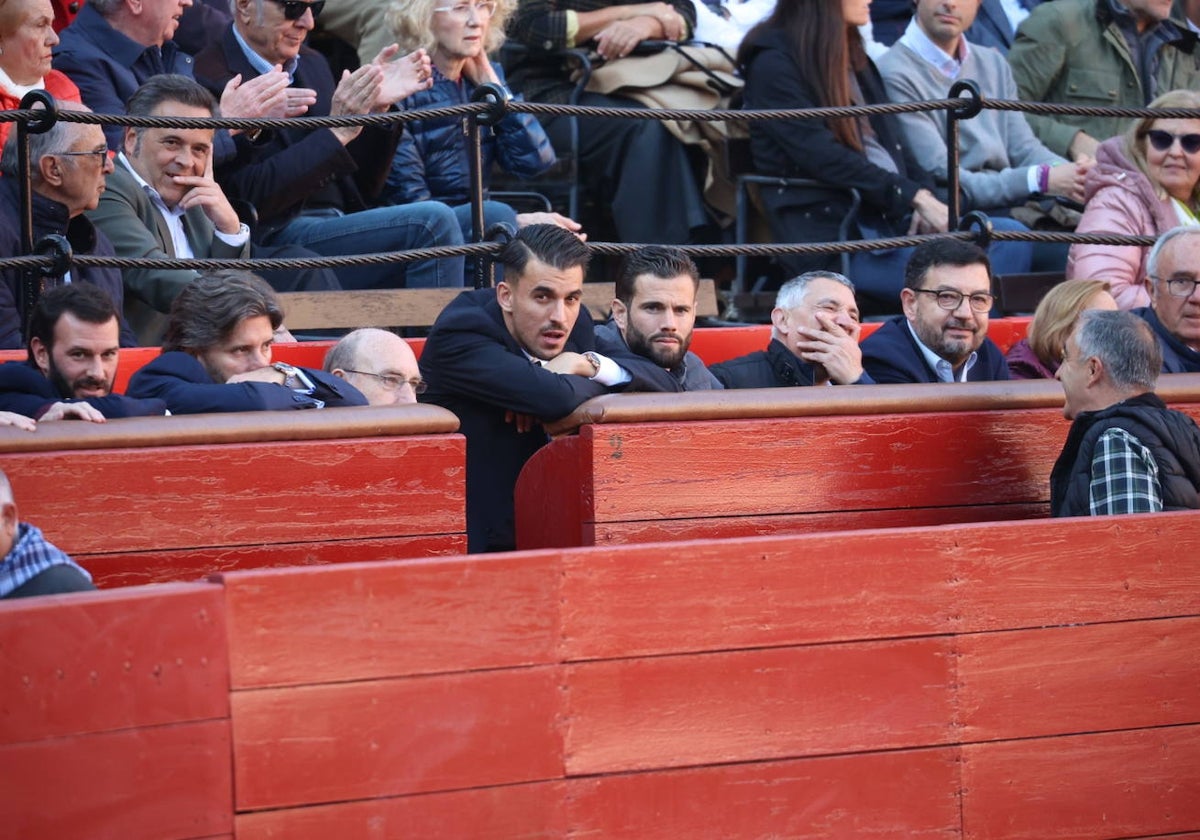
153, 783
737, 527
330, 743
82, 663
651, 471
551, 507
142, 567
245, 494
363, 621
675, 711
909, 794
1084, 787
511, 812
1085, 678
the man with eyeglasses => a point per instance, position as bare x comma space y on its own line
1126, 451
942, 335
1174, 311
67, 167
378, 363
314, 187
814, 338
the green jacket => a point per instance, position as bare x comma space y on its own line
1072, 52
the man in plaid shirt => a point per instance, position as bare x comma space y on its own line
29, 565
1126, 451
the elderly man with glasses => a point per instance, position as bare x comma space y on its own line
314, 187
67, 165
1174, 310
378, 363
942, 335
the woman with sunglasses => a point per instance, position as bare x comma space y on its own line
1145, 182
432, 162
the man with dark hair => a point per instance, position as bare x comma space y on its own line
1126, 451
1173, 267
814, 338
653, 315
73, 354
161, 201
29, 565
217, 354
942, 335
67, 166
504, 359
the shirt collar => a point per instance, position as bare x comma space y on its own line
152, 193
17, 90
258, 62
943, 369
949, 66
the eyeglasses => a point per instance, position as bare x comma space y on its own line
1163, 140
295, 9
391, 382
462, 11
101, 154
950, 299
1183, 285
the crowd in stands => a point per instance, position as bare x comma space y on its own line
506, 359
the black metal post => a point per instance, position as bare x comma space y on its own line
497, 97
972, 106
31, 279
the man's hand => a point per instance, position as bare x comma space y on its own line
268, 95
356, 94
404, 76
568, 362
524, 219
262, 374
523, 422
1067, 179
17, 421
1083, 147
832, 350
207, 195
72, 411
618, 39
930, 216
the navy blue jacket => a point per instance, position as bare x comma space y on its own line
775, 367
49, 216
292, 169
891, 354
431, 162
182, 382
1177, 356
24, 390
476, 369
991, 27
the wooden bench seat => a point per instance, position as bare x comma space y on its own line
168, 498
648, 467
1018, 680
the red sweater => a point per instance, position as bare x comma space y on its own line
57, 85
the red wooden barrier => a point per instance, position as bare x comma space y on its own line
1032, 679
649, 467
151, 499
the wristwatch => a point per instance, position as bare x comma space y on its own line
593, 360
295, 379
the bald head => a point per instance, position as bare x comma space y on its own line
378, 363
8, 517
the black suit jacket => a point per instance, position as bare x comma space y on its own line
185, 386
295, 169
475, 368
24, 390
891, 354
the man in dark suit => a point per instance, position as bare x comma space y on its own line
942, 335
997, 21
504, 359
73, 354
313, 187
217, 354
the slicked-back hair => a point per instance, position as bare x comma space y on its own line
1125, 344
87, 302
170, 87
211, 306
550, 244
61, 136
660, 261
791, 294
939, 252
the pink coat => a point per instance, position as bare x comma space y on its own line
1120, 199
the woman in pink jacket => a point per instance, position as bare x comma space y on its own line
1145, 182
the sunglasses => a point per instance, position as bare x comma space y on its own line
295, 9
1163, 140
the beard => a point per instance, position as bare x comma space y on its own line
70, 390
668, 357
954, 350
